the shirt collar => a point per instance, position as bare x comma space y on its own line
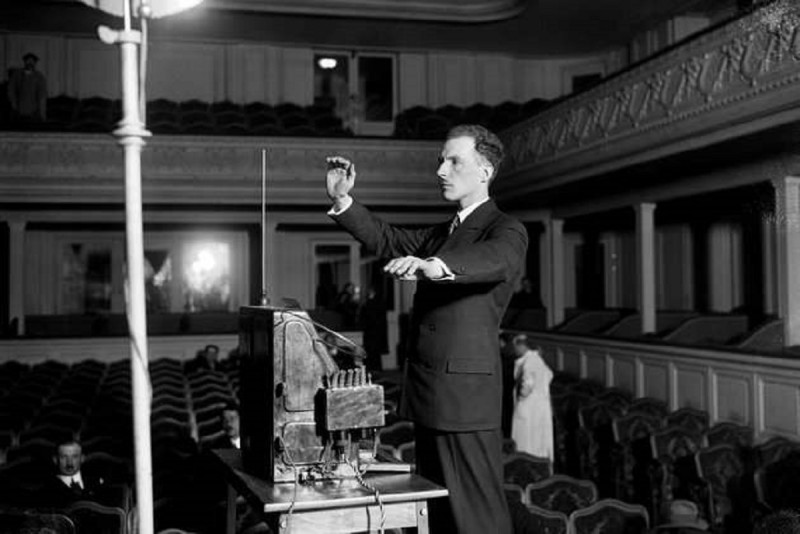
237, 442
67, 479
463, 214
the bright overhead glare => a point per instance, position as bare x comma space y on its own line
327, 63
157, 8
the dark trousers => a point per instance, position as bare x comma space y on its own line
470, 466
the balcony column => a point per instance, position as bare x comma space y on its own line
646, 262
16, 274
787, 221
552, 271
769, 264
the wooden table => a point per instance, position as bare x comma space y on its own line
331, 506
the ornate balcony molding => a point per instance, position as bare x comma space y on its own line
64, 168
737, 79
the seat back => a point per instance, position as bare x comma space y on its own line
522, 468
546, 521
562, 493
32, 522
90, 516
610, 516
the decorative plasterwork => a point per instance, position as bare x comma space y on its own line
184, 170
446, 10
737, 79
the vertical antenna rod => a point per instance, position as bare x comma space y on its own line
264, 299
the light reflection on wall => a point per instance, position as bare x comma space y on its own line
206, 274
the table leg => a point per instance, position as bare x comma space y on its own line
422, 517
230, 511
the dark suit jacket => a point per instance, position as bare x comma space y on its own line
55, 494
453, 376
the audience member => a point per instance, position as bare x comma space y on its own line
780, 522
69, 483
205, 360
27, 92
526, 297
532, 423
229, 417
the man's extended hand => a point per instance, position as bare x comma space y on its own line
340, 180
413, 268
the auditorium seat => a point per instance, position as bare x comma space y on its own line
730, 433
673, 449
688, 418
596, 438
649, 406
610, 516
722, 470
561, 493
96, 518
35, 522
522, 468
633, 454
547, 521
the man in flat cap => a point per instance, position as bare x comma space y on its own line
27, 92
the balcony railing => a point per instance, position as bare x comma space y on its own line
733, 80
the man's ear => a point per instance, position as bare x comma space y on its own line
488, 170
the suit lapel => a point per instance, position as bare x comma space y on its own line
468, 230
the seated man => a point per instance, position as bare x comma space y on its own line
69, 483
205, 360
229, 417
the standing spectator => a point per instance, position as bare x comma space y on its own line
532, 424
27, 92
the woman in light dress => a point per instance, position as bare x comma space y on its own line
532, 423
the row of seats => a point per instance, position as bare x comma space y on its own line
732, 330
196, 117
422, 122
637, 451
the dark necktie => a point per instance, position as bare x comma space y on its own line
455, 223
75, 486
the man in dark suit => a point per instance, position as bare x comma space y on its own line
70, 483
466, 270
229, 418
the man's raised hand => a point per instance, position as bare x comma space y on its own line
341, 178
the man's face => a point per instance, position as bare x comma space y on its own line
30, 63
68, 459
212, 354
463, 173
230, 423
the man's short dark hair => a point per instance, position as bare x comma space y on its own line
780, 522
30, 55
487, 144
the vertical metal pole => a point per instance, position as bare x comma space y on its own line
130, 134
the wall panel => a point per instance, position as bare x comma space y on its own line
691, 387
780, 401
734, 397
655, 376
